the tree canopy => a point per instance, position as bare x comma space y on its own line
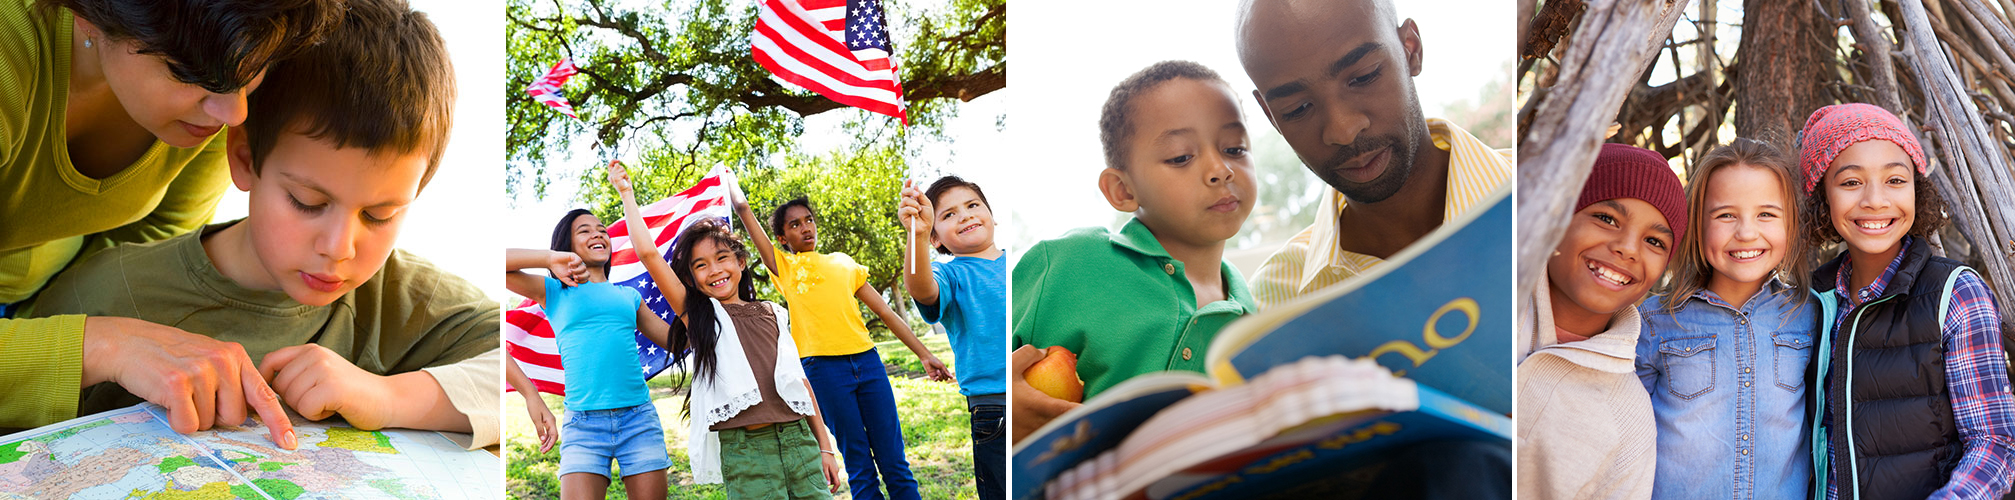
671, 87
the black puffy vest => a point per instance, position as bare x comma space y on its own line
1903, 438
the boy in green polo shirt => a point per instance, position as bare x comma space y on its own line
1153, 295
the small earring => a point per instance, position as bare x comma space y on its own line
87, 43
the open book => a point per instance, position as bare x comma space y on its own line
1285, 404
132, 453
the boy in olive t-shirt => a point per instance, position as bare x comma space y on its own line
308, 282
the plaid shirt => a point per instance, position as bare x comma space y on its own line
1976, 373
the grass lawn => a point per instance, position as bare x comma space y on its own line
936, 432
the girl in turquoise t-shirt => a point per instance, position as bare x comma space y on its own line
609, 411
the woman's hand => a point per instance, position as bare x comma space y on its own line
567, 267
201, 382
1032, 409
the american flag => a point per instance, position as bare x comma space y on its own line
838, 48
530, 337
546, 89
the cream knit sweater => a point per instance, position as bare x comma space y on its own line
1585, 427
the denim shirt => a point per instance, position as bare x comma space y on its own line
1728, 389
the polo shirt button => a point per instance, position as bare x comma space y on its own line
1168, 267
1185, 354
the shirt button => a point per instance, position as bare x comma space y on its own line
1745, 451
1185, 354
1168, 267
1745, 384
1745, 370
1744, 321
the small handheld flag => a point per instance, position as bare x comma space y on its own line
546, 89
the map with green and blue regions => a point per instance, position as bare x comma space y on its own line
132, 454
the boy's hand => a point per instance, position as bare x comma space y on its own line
543, 422
915, 211
1032, 409
935, 369
567, 267
620, 178
836, 478
200, 381
318, 383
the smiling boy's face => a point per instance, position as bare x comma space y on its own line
1610, 254
1872, 196
1188, 175
322, 220
964, 224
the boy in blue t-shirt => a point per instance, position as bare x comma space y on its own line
968, 295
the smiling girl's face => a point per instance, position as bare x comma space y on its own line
1747, 228
1871, 196
591, 240
717, 271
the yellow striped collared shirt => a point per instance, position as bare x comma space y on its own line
1312, 260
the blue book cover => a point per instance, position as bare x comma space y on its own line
1439, 312
1098, 426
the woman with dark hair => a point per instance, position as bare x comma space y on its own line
110, 135
609, 411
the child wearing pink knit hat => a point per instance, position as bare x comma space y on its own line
1911, 393
1585, 425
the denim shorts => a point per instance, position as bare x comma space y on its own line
632, 436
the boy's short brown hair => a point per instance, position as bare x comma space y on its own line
382, 81
1115, 121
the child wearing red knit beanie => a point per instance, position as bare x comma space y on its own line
1911, 395
1585, 426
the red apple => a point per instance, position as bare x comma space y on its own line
1056, 375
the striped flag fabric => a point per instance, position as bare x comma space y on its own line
529, 337
838, 48
546, 89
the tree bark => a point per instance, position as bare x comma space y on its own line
1602, 62
1785, 69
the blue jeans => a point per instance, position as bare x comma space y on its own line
632, 436
989, 420
860, 408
